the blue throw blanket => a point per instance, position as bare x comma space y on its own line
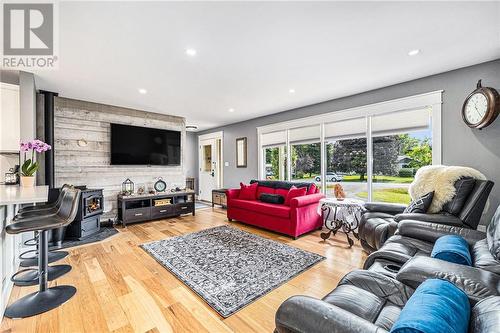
452, 248
437, 306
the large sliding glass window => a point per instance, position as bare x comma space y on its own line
274, 155
305, 153
402, 143
275, 167
346, 157
373, 151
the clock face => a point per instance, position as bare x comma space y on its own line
476, 109
160, 186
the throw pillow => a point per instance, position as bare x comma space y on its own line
452, 248
420, 205
435, 306
312, 189
464, 187
272, 198
248, 192
293, 193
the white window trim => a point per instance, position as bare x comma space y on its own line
431, 99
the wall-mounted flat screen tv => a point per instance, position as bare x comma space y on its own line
134, 145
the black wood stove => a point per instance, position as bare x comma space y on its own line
87, 220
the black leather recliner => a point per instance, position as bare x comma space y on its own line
368, 302
416, 239
380, 221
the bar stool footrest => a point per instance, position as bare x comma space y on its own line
30, 276
31, 242
53, 257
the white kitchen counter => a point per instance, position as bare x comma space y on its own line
15, 195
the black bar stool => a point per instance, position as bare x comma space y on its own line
28, 260
45, 298
26, 211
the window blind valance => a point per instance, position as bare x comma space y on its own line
305, 134
346, 129
401, 122
273, 139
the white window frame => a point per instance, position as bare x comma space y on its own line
431, 100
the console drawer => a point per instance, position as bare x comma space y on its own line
185, 208
162, 211
137, 214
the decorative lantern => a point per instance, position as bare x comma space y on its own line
128, 186
11, 177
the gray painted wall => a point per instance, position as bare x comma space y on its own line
191, 156
461, 145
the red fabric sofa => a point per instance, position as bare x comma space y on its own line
294, 220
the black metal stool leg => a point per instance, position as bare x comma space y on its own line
45, 298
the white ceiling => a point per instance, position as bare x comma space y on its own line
249, 54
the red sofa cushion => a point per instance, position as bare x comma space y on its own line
264, 189
281, 191
293, 193
262, 207
312, 189
248, 192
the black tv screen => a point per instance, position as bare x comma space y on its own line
133, 145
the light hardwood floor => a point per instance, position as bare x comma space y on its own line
122, 289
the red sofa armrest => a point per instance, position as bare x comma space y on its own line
232, 193
306, 200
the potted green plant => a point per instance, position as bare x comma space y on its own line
30, 165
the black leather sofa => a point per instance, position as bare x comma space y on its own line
416, 239
367, 302
380, 221
371, 300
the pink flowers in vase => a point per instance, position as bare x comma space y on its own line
30, 166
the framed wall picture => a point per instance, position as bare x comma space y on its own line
241, 152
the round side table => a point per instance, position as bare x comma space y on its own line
343, 215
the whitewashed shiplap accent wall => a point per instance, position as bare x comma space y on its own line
90, 165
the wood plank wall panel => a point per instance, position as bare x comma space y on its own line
90, 165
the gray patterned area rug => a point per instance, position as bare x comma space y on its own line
230, 268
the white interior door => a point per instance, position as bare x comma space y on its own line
209, 168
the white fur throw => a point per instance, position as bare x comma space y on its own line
441, 180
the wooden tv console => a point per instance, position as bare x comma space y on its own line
140, 208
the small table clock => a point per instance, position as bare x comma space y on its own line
160, 185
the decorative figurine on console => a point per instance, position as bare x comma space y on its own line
141, 190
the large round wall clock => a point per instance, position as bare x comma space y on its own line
160, 185
481, 107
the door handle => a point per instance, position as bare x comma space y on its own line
213, 173
138, 214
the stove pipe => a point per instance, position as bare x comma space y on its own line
49, 136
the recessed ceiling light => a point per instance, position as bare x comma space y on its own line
143, 91
231, 110
191, 127
291, 91
191, 52
413, 52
